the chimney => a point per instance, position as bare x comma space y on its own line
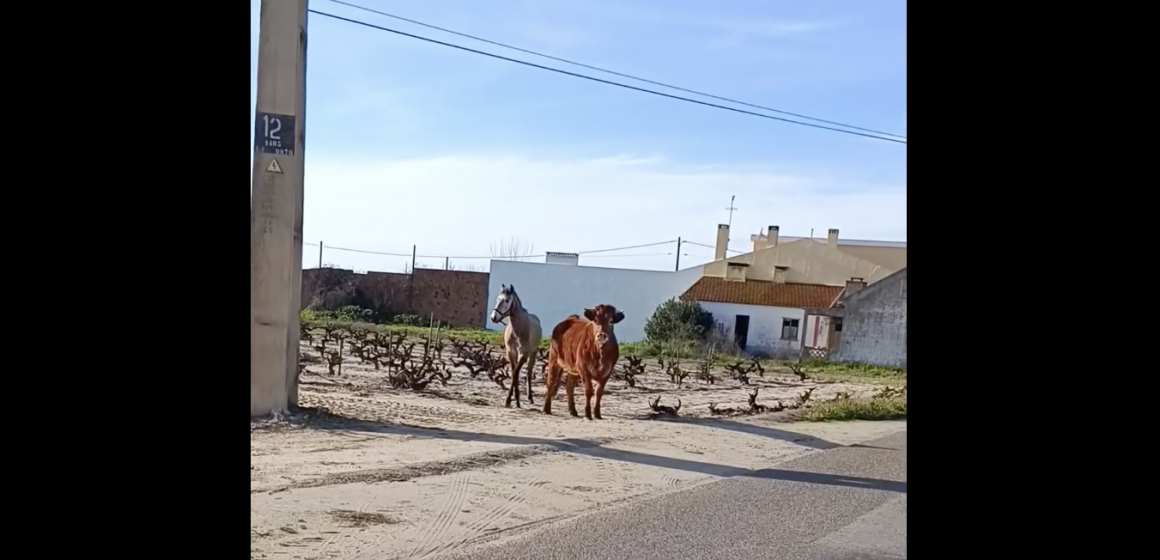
722, 242
758, 241
771, 240
853, 285
832, 238
779, 274
736, 272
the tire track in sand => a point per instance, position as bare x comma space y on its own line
498, 513
377, 536
334, 536
343, 532
451, 507
608, 476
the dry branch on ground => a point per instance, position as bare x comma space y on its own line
663, 410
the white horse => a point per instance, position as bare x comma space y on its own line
521, 338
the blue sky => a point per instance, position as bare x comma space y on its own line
414, 143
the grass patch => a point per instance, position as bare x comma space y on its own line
685, 350
314, 320
347, 314
470, 334
893, 408
680, 349
847, 371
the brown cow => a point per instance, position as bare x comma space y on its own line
585, 348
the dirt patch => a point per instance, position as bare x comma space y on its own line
473, 461
360, 518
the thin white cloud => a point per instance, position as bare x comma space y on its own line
734, 33
768, 29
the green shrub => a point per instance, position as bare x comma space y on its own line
344, 314
682, 349
409, 320
678, 320
852, 370
893, 408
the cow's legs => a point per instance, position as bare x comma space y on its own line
570, 388
552, 373
587, 381
599, 396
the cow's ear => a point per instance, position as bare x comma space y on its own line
618, 317
590, 314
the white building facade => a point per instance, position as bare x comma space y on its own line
554, 291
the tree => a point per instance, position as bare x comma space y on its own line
678, 319
514, 249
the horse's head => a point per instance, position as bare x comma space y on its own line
503, 303
603, 318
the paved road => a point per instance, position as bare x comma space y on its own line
847, 503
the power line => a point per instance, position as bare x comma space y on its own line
614, 73
709, 246
609, 82
694, 255
628, 255
629, 247
577, 253
492, 257
361, 251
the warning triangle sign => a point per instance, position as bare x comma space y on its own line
274, 167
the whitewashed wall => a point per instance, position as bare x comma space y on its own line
764, 325
553, 292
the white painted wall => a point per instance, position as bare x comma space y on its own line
818, 331
764, 325
553, 292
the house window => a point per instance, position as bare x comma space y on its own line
789, 329
838, 325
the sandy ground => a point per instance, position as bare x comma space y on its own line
373, 472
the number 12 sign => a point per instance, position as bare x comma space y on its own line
274, 134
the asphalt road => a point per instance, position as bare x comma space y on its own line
847, 503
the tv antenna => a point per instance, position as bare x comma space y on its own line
731, 209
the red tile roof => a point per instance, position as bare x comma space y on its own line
759, 292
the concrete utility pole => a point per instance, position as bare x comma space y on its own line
276, 227
293, 332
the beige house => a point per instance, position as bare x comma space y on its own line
806, 261
782, 299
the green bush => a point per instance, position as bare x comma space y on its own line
681, 349
344, 314
893, 408
409, 320
678, 320
838, 370
356, 314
